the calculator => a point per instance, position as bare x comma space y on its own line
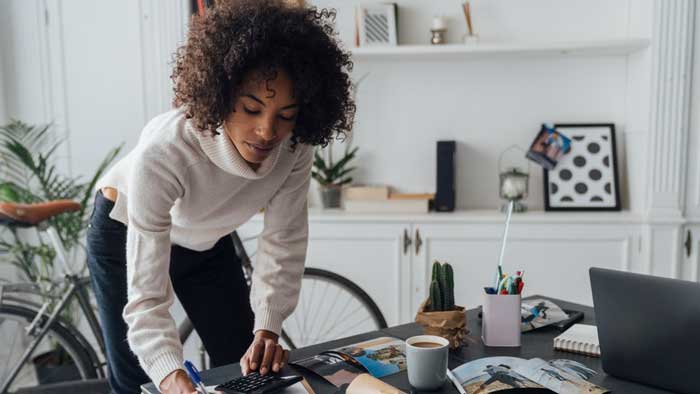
254, 383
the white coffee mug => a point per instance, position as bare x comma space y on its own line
426, 356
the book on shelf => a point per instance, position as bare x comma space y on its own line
366, 192
580, 338
396, 203
512, 374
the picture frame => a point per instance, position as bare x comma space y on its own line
585, 179
376, 25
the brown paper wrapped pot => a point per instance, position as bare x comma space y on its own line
450, 325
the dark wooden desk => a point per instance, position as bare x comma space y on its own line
537, 343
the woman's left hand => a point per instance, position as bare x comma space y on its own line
264, 354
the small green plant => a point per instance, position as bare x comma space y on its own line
442, 295
329, 173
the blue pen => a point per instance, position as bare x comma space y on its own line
194, 376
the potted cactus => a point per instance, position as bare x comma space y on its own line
438, 314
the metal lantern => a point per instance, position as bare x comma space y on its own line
513, 179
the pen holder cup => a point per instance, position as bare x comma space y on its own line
500, 323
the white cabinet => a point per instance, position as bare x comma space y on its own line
390, 256
555, 257
690, 269
372, 255
369, 254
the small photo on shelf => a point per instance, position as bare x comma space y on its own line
548, 147
586, 179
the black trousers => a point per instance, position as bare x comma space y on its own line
210, 286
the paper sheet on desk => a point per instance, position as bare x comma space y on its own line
297, 388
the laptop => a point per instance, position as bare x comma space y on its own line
648, 328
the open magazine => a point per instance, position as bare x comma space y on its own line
377, 357
501, 374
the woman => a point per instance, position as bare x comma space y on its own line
257, 85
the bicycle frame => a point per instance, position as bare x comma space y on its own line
72, 286
49, 312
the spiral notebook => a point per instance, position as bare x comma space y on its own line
580, 338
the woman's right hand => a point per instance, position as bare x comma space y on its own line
177, 383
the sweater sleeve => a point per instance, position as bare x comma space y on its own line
152, 334
282, 248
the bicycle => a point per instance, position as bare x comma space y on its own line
35, 325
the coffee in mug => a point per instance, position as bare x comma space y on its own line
426, 358
426, 344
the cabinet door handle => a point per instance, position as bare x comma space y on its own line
688, 243
406, 241
419, 241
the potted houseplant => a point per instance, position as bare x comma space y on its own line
438, 315
29, 174
330, 175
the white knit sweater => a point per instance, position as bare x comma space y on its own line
189, 188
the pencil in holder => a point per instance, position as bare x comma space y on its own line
500, 323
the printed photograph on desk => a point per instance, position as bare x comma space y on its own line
503, 374
382, 356
536, 313
336, 368
379, 357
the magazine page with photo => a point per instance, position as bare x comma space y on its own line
381, 356
336, 368
536, 313
504, 374
378, 357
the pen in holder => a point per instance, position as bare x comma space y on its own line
500, 323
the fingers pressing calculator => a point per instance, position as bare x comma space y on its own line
254, 383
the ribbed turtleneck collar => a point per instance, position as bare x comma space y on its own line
224, 155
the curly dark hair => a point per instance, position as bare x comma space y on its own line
237, 36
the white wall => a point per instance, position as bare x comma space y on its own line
103, 77
3, 100
489, 104
21, 60
81, 65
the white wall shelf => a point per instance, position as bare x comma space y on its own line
505, 49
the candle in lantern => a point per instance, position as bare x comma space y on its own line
439, 23
511, 189
514, 186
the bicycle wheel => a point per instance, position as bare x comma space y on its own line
42, 366
330, 307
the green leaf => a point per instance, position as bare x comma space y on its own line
345, 172
318, 161
344, 181
344, 161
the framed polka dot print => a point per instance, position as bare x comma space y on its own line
586, 178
